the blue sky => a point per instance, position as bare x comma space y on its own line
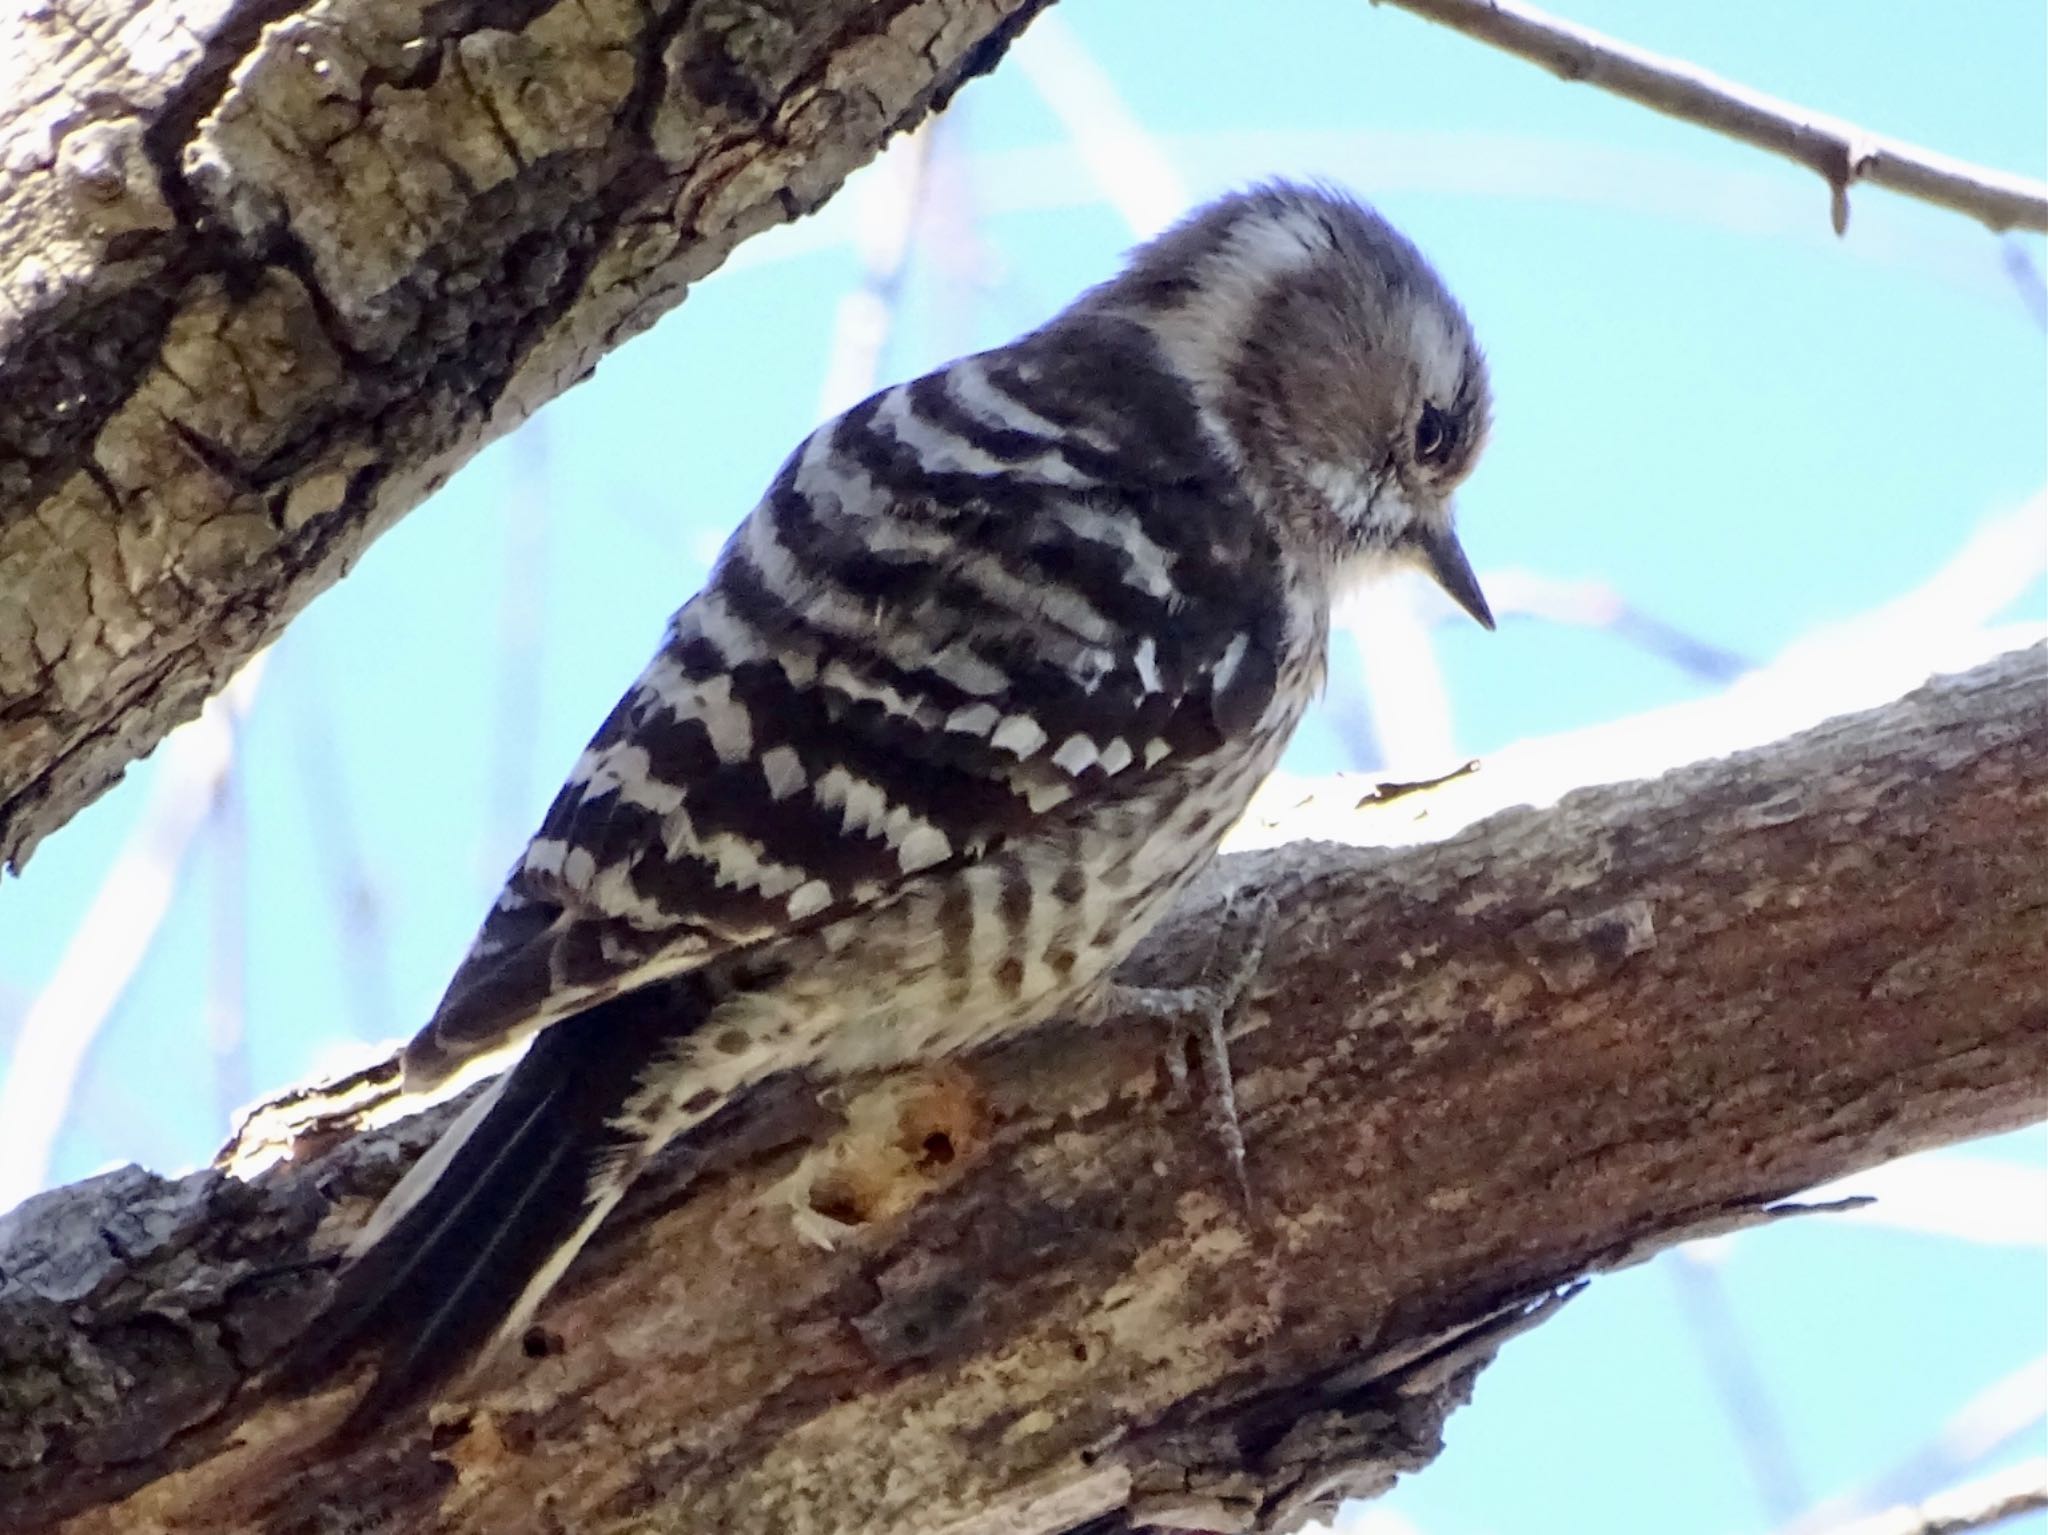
1748, 429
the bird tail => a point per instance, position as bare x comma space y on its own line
464, 1248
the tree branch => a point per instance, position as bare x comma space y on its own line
1840, 153
270, 270
1983, 1504
1480, 1069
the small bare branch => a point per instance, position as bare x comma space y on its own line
1984, 1504
1839, 152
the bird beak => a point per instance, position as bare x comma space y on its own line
1445, 560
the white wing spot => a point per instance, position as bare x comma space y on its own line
968, 384
725, 718
932, 444
1147, 660
1227, 665
822, 605
1116, 756
860, 803
614, 769
579, 868
1042, 797
1155, 749
968, 672
808, 899
1019, 735
614, 894
784, 770
799, 666
844, 679
628, 769
1147, 567
664, 683
973, 719
731, 635
726, 721
737, 859
1076, 754
925, 846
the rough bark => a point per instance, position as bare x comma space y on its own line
1472, 1072
271, 269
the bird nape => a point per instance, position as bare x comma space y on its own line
969, 698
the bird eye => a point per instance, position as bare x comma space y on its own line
1434, 436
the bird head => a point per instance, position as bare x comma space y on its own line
1340, 373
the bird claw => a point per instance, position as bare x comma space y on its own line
1199, 1018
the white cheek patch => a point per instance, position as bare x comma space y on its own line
1385, 523
1346, 489
1202, 338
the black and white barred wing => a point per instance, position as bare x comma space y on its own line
975, 603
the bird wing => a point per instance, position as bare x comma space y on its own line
1002, 593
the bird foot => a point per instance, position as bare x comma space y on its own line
1199, 1018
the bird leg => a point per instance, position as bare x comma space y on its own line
1200, 1016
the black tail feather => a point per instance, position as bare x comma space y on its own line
448, 1329
444, 1278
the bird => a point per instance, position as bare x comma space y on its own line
969, 697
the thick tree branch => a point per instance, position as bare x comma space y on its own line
1475, 1072
271, 269
1839, 153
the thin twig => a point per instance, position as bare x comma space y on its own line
885, 237
1983, 1504
227, 992
346, 873
1123, 157
2026, 280
522, 621
1839, 152
1596, 605
1739, 1384
1387, 792
111, 941
2002, 1416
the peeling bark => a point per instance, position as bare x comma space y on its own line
1472, 1073
270, 270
